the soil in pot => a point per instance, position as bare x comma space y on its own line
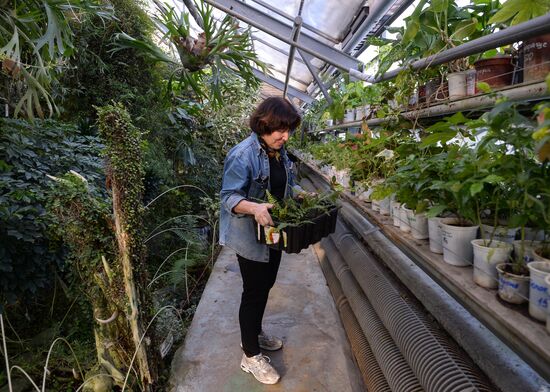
496, 72
542, 253
536, 58
513, 286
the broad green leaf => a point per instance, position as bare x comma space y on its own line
484, 86
457, 118
433, 138
522, 16
517, 221
464, 29
540, 133
475, 188
439, 5
508, 11
492, 179
412, 30
455, 187
519, 11
489, 54
436, 210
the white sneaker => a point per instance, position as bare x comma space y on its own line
260, 368
269, 342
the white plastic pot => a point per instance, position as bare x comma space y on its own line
365, 195
499, 233
457, 247
526, 254
419, 224
538, 292
512, 288
457, 85
329, 122
486, 257
385, 206
537, 255
395, 212
534, 234
434, 234
359, 113
404, 224
350, 115
471, 82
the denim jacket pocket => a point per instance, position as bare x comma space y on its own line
257, 190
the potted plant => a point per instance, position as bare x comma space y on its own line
299, 222
509, 149
535, 51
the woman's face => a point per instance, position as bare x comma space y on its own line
276, 139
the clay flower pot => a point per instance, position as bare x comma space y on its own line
496, 72
536, 58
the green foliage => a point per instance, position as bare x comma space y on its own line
36, 38
125, 170
202, 60
293, 212
28, 152
97, 76
83, 222
514, 12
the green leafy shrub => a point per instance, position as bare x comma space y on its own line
29, 152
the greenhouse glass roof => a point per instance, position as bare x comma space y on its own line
305, 41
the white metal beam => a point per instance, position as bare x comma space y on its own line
292, 91
282, 31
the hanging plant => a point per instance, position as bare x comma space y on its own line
35, 40
222, 48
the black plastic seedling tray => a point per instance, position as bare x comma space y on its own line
292, 239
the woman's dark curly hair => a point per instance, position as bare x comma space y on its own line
274, 113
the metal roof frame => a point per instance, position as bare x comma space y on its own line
289, 31
284, 33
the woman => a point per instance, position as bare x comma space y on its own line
257, 164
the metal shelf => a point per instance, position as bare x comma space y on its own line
518, 92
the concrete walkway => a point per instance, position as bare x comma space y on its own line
316, 356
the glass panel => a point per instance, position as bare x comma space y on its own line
331, 16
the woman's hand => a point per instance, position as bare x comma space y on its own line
261, 214
260, 211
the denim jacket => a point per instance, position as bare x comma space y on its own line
246, 176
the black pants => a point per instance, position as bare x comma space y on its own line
258, 279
